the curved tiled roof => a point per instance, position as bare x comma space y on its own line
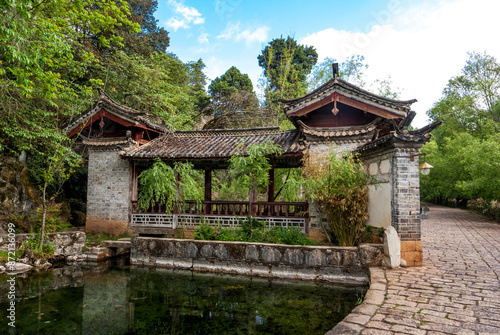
214, 144
343, 87
127, 113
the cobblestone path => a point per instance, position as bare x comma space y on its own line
456, 291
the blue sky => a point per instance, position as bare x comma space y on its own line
418, 44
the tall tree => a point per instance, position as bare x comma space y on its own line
465, 149
232, 81
43, 50
286, 65
151, 37
233, 102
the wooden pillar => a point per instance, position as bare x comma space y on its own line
208, 189
270, 192
208, 184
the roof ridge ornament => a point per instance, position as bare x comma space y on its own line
335, 68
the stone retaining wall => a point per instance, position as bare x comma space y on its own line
66, 244
346, 265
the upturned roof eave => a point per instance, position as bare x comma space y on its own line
106, 102
343, 87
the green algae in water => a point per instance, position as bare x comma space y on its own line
131, 300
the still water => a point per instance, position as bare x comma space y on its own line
123, 299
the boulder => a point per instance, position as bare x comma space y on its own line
392, 248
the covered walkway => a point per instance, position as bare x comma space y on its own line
456, 291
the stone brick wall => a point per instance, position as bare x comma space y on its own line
406, 196
108, 194
406, 206
66, 244
396, 199
334, 264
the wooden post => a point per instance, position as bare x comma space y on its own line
270, 192
208, 190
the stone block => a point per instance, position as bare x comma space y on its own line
252, 253
371, 254
294, 257
207, 251
315, 258
270, 255
392, 248
221, 252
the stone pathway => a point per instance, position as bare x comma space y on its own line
456, 291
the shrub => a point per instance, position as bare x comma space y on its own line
253, 230
204, 232
338, 184
32, 250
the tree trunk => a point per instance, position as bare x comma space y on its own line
44, 215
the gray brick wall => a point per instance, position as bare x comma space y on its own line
406, 195
108, 186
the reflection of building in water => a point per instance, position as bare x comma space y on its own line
106, 308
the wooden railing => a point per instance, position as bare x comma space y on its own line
231, 208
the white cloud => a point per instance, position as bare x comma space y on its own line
233, 31
176, 23
203, 38
184, 16
420, 47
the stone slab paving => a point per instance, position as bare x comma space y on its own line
456, 291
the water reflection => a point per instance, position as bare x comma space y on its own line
132, 300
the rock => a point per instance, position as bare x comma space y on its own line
2, 269
71, 259
392, 248
403, 263
21, 267
23, 260
46, 265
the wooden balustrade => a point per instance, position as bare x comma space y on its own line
231, 208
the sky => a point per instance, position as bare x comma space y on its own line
420, 45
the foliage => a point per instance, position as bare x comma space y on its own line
150, 38
286, 65
465, 150
338, 184
250, 166
34, 250
351, 70
253, 230
289, 185
42, 49
204, 232
56, 220
465, 167
232, 81
169, 185
233, 102
159, 84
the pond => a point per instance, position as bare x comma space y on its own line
122, 299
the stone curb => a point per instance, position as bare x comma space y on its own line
355, 322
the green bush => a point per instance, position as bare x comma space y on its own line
338, 184
204, 232
31, 248
253, 230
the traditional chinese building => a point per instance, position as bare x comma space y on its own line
122, 142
